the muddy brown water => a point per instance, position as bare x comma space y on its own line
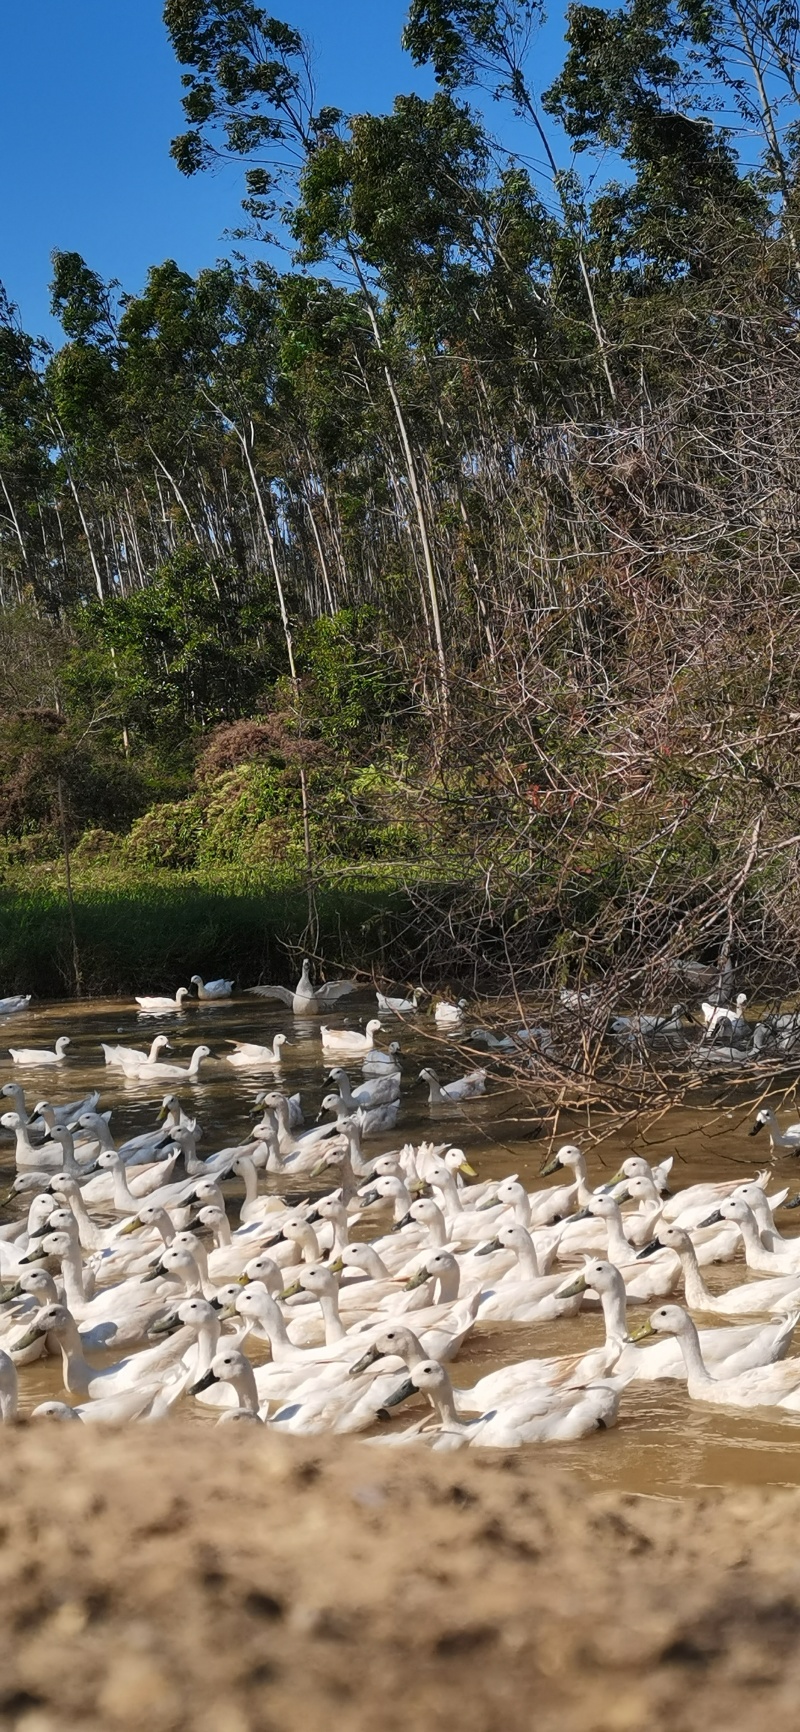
664, 1444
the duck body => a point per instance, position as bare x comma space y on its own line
248, 1055
161, 1006
33, 1055
306, 999
211, 989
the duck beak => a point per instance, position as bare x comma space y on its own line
155, 1273
399, 1225
196, 1226
369, 1197
643, 1334
649, 1250
337, 1267
579, 1285
582, 1215
711, 1220
616, 1179
468, 1171
549, 1167
9, 1294
483, 1250
480, 1208
204, 1383
319, 1168
369, 1358
313, 1216
754, 1130
793, 1203
131, 1226
241, 1281
418, 1280
33, 1257
405, 1391
289, 1292
34, 1334
166, 1325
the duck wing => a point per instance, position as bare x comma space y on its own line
280, 992
333, 989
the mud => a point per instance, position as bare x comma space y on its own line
227, 1581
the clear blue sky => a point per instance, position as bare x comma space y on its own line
89, 100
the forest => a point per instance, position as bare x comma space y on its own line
423, 578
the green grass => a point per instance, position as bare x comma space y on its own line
152, 932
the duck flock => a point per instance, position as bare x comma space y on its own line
360, 1269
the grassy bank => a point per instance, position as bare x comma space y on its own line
152, 932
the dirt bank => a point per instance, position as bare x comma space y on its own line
229, 1582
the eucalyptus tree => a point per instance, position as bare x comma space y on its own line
250, 96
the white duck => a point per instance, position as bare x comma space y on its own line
763, 1386
248, 1055
159, 1006
180, 1073
449, 1015
376, 1061
373, 1092
540, 1416
306, 1000
211, 989
349, 1042
131, 1058
780, 1139
730, 1350
465, 1088
648, 1026
400, 1006
18, 1001
34, 1055
751, 1299
715, 1015
524, 1295
231, 1366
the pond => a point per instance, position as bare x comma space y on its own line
664, 1444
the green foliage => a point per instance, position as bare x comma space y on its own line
186, 654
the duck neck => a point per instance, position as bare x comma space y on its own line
449, 1191
124, 1202
437, 1226
207, 1339
444, 1403
222, 1231
695, 1290
754, 1254
341, 1235
72, 1277
334, 1328
613, 1304
87, 1231
76, 1372
448, 1283
308, 1243
522, 1211
247, 1390
527, 1260
689, 1342
270, 1322
360, 1167
247, 1171
619, 1251
402, 1203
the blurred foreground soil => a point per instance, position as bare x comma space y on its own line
171, 1578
